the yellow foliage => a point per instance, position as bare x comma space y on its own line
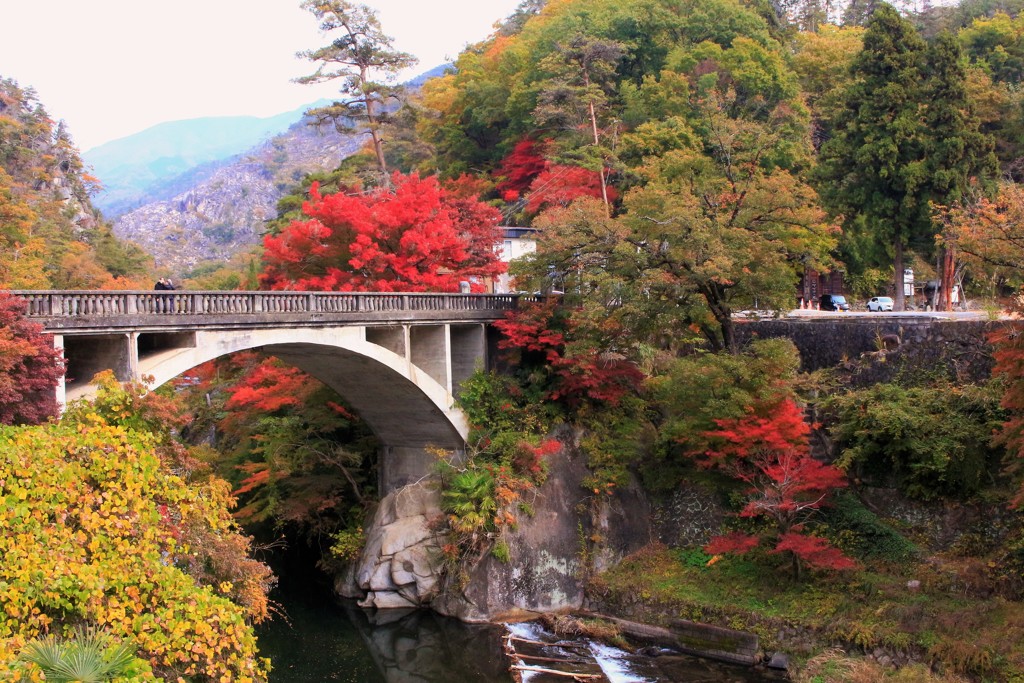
96, 531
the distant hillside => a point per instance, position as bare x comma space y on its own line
149, 165
221, 208
213, 206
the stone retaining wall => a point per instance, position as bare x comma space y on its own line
958, 347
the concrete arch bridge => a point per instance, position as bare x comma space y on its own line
397, 358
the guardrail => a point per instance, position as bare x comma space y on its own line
75, 304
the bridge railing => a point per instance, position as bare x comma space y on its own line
93, 304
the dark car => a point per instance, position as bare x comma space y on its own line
834, 302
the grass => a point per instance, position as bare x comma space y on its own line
936, 624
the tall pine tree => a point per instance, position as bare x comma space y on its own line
359, 52
956, 150
872, 169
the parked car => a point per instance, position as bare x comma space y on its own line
880, 303
834, 302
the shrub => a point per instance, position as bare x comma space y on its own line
862, 533
98, 531
933, 441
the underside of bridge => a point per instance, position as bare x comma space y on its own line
408, 424
401, 379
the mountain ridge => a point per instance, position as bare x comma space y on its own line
134, 169
213, 209
224, 212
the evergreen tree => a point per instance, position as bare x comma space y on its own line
956, 151
361, 52
577, 98
873, 170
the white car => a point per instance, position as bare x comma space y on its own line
880, 303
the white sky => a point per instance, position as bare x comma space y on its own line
111, 68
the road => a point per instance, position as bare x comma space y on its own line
934, 315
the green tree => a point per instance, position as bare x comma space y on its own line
956, 151
822, 63
359, 54
724, 226
872, 170
997, 44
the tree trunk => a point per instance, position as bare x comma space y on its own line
597, 142
946, 279
372, 124
900, 299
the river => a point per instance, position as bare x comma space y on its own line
324, 640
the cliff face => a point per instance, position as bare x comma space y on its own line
225, 211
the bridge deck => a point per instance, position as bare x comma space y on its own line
71, 312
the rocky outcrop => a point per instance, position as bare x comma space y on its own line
400, 565
570, 534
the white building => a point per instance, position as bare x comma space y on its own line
516, 242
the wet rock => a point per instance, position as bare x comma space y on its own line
399, 565
385, 600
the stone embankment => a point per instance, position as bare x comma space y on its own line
957, 346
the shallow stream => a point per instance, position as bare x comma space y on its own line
323, 640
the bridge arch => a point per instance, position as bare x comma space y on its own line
409, 410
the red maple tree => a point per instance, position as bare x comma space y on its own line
417, 237
519, 169
30, 366
560, 185
580, 368
268, 387
768, 451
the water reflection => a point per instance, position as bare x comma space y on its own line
421, 646
324, 641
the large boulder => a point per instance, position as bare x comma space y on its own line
571, 533
400, 565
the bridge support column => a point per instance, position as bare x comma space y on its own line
133, 356
404, 465
61, 388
